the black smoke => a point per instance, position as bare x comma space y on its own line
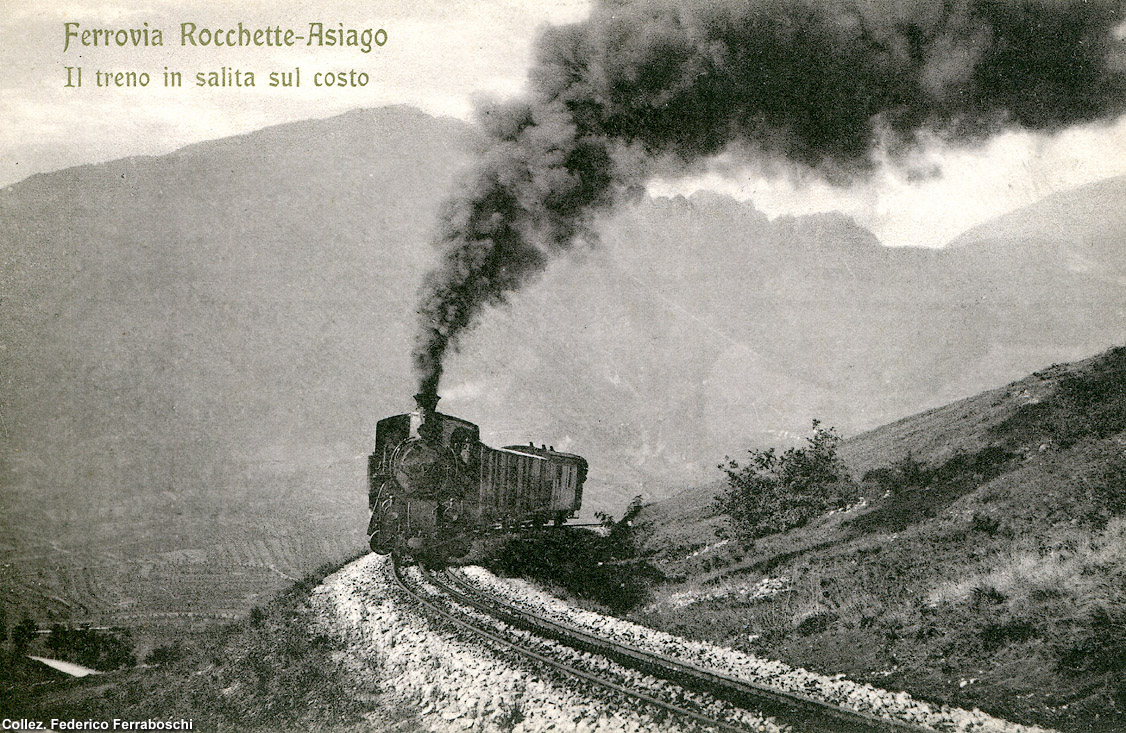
822, 85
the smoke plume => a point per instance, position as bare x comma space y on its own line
822, 85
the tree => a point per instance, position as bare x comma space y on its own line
102, 650
775, 492
22, 634
620, 532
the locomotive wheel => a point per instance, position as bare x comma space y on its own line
380, 542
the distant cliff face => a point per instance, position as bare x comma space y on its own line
222, 327
698, 326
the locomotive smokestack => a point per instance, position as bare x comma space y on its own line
427, 403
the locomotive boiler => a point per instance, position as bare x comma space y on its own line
433, 486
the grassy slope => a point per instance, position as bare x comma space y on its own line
995, 584
992, 577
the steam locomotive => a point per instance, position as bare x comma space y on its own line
433, 486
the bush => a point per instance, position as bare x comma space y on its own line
772, 493
167, 654
985, 524
22, 634
92, 648
1101, 646
912, 491
1108, 489
604, 568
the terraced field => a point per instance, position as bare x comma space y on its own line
161, 565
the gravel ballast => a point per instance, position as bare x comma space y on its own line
443, 680
835, 689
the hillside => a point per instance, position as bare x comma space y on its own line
196, 348
985, 568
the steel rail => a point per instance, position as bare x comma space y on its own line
566, 669
804, 712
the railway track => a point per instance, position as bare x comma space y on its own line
567, 670
801, 712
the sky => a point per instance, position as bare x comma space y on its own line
441, 55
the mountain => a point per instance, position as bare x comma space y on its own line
196, 348
698, 327
1077, 230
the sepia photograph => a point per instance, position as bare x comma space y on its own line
606, 366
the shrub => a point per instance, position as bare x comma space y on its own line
1102, 645
22, 634
996, 635
775, 492
101, 650
986, 524
1108, 489
604, 568
167, 654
